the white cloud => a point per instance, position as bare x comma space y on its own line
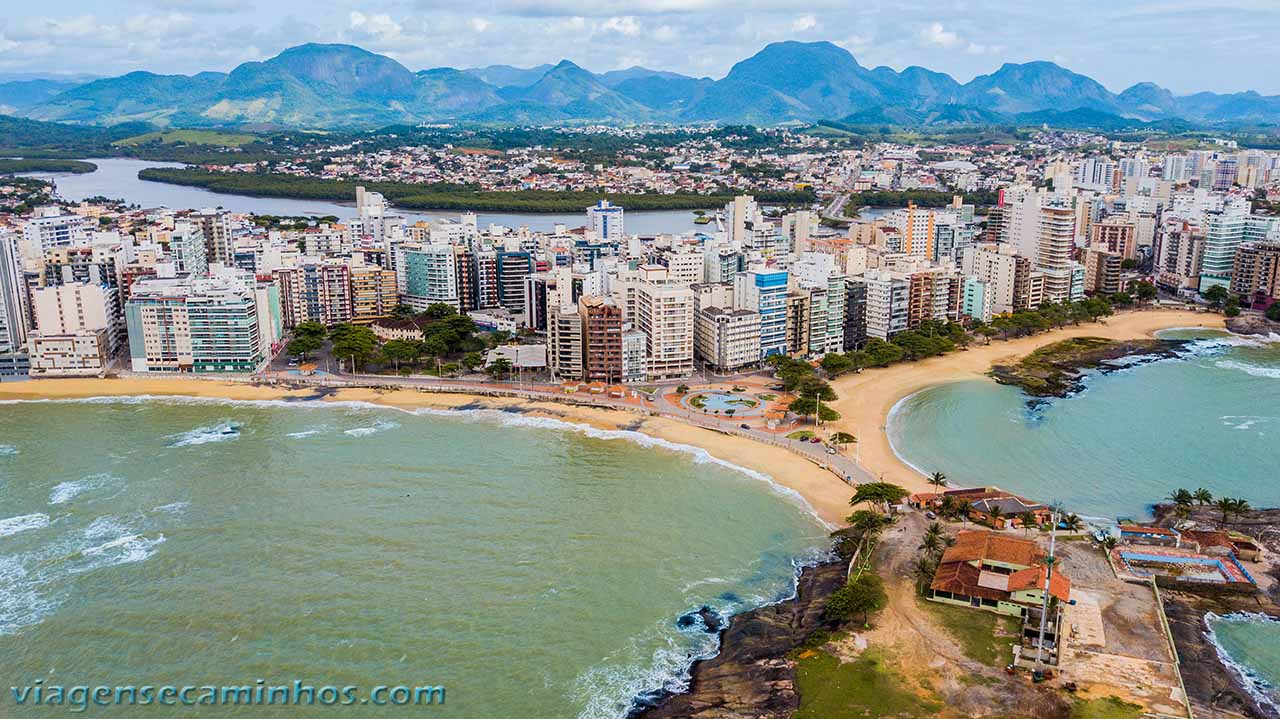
624, 25
665, 33
380, 25
479, 24
936, 34
804, 22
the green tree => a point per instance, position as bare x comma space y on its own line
1202, 496
1216, 296
400, 351
1144, 291
877, 493
499, 368
1028, 520
1182, 497
1273, 312
840, 439
863, 595
835, 364
471, 360
938, 480
866, 524
304, 345
995, 514
438, 311
353, 343
313, 330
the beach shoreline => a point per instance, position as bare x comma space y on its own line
868, 399
867, 402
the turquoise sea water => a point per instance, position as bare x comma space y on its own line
531, 570
1250, 644
1131, 437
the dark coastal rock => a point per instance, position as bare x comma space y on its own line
1252, 323
753, 676
705, 616
1058, 370
1213, 688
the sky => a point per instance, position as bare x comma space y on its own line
1187, 46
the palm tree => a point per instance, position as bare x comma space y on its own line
1109, 542
1239, 506
931, 544
923, 571
1227, 506
1073, 523
1202, 496
938, 480
996, 514
1028, 520
1182, 497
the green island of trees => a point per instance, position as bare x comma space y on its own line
43, 164
446, 196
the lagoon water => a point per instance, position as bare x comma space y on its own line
530, 569
1129, 439
117, 178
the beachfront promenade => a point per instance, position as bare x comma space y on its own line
840, 465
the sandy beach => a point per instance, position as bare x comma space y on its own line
866, 400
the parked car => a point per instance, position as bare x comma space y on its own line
930, 515
745, 426
816, 440
831, 450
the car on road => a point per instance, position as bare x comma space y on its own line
745, 426
930, 515
816, 440
831, 450
293, 363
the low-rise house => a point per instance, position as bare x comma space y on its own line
1210, 542
988, 505
1156, 536
995, 572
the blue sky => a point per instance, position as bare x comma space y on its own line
1219, 45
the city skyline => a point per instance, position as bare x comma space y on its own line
1185, 46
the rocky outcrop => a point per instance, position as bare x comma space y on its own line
1252, 323
1058, 369
753, 675
1213, 688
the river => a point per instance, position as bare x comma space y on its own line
117, 178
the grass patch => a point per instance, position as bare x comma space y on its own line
767, 397
983, 636
803, 435
863, 687
190, 137
1105, 708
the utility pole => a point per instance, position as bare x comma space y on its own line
1048, 577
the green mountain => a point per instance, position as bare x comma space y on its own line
19, 95
342, 86
579, 95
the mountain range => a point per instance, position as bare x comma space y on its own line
342, 86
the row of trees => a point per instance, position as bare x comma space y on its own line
448, 338
446, 196
811, 391
1183, 500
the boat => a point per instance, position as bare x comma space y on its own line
229, 429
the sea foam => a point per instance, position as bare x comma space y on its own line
220, 432
64, 492
1257, 687
22, 523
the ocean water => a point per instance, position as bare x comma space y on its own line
531, 569
1210, 419
1250, 645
